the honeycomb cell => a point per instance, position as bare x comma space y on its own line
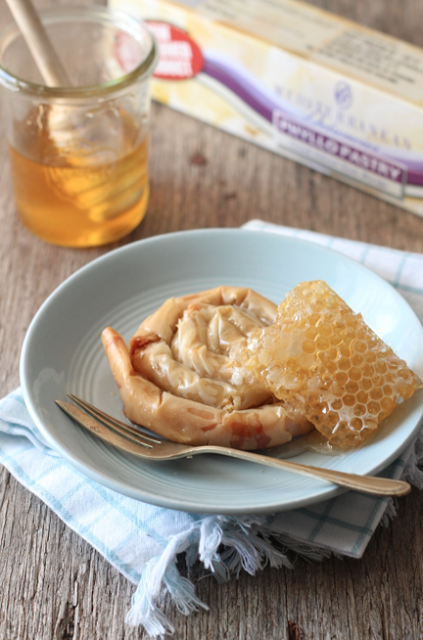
359, 410
331, 367
345, 351
373, 407
352, 387
338, 325
338, 390
322, 343
335, 340
321, 356
360, 347
352, 321
325, 330
332, 354
341, 377
353, 373
366, 384
367, 370
313, 319
381, 367
348, 400
376, 394
344, 364
362, 396
357, 424
348, 336
311, 333
328, 316
308, 346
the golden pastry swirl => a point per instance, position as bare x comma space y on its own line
178, 378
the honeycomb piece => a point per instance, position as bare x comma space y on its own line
327, 365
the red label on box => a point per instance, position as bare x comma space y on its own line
180, 56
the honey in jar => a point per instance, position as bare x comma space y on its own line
75, 195
78, 144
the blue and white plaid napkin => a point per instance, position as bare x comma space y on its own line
142, 541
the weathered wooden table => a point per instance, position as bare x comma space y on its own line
54, 585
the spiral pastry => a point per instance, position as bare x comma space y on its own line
179, 379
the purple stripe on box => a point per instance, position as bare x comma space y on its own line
242, 88
387, 166
379, 165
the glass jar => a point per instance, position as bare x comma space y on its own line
79, 153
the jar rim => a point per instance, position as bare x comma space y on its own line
91, 13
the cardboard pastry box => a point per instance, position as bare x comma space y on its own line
340, 98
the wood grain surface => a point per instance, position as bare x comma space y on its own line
55, 586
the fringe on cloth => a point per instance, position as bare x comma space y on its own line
226, 546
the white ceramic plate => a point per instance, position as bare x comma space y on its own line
62, 353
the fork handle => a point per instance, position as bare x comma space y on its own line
365, 484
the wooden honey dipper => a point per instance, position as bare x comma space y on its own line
39, 43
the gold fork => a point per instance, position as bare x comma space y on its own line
132, 439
